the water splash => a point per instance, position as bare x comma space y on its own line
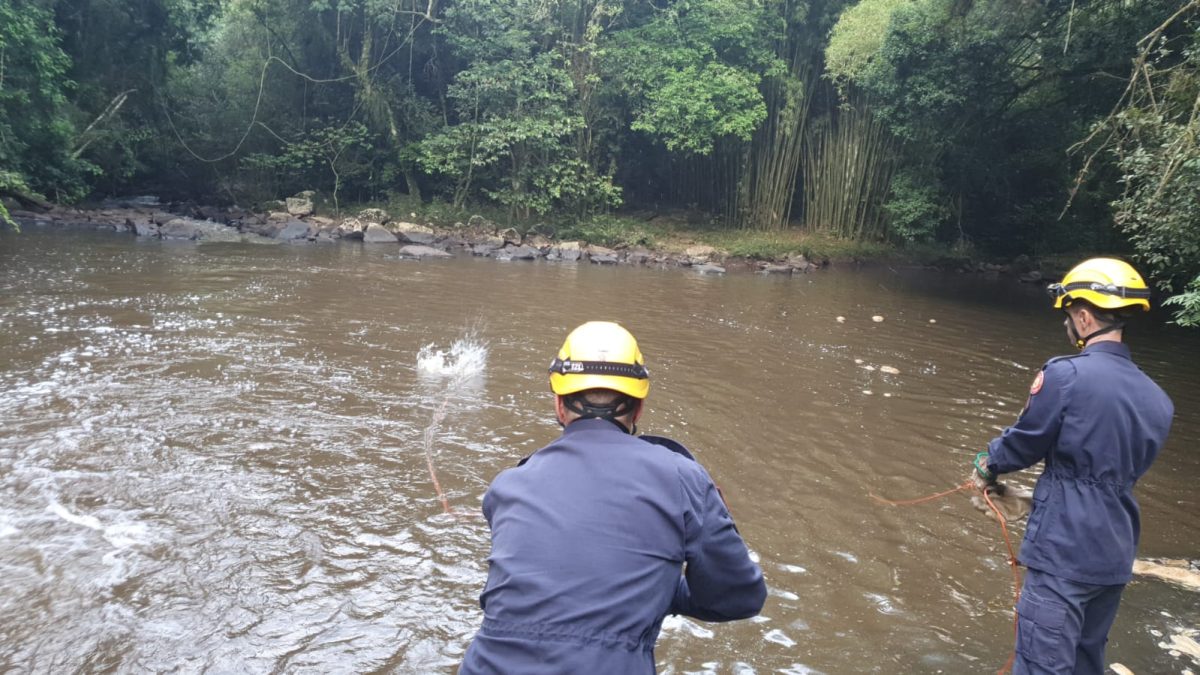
465, 360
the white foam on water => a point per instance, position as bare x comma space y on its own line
466, 358
779, 637
90, 522
676, 623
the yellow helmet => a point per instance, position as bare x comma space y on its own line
600, 355
1107, 283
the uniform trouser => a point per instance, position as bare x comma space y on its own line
1062, 626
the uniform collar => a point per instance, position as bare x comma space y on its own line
592, 424
1109, 347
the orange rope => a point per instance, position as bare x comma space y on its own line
430, 431
1012, 557
909, 502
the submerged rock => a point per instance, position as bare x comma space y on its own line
709, 268
418, 251
776, 269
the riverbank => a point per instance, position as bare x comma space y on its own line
631, 239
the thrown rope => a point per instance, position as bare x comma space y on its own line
430, 432
1012, 556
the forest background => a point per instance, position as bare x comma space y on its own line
994, 127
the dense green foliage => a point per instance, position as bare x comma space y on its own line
902, 121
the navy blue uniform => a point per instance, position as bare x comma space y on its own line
1097, 422
595, 539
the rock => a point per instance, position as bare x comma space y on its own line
776, 269
483, 249
889, 370
511, 252
594, 251
569, 251
511, 236
877, 319
162, 217
293, 230
709, 269
638, 256
539, 242
603, 258
373, 215
352, 228
197, 230
1031, 277
377, 234
418, 251
322, 223
301, 204
478, 222
143, 228
414, 234
279, 216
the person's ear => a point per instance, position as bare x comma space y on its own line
637, 412
560, 410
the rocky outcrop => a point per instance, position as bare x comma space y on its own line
412, 233
293, 230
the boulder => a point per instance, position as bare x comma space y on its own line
539, 242
569, 251
352, 228
279, 216
377, 234
412, 233
511, 236
709, 269
142, 227
417, 251
197, 230
162, 217
375, 215
603, 258
511, 252
777, 269
323, 223
293, 230
483, 249
300, 205
638, 256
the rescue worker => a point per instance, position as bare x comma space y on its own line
1097, 422
599, 535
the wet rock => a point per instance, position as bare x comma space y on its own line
776, 269
603, 258
197, 230
162, 217
352, 228
709, 268
568, 251
292, 231
374, 215
300, 205
638, 256
377, 234
412, 233
483, 249
418, 251
511, 252
143, 227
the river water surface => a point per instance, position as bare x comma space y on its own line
216, 458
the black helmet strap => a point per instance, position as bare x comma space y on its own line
622, 406
1081, 342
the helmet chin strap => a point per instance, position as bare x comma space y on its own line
1081, 342
609, 413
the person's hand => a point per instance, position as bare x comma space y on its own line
980, 475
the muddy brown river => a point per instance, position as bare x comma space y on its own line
213, 458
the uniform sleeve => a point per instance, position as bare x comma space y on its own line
720, 581
1036, 431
